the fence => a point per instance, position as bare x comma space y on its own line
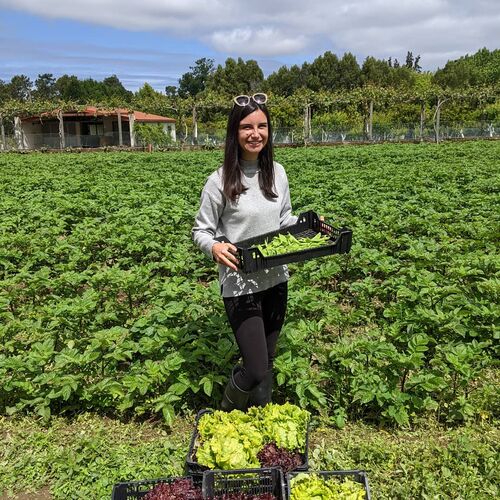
394, 133
52, 141
281, 136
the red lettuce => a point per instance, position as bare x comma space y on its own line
273, 456
180, 489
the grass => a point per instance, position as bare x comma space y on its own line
84, 457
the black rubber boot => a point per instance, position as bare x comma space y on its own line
261, 394
234, 398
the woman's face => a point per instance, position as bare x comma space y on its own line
253, 134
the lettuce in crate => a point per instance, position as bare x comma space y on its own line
233, 440
228, 440
307, 486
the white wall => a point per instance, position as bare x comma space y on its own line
169, 128
29, 131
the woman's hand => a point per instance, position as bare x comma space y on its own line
225, 254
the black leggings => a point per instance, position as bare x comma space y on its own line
256, 320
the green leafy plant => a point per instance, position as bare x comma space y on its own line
311, 486
233, 440
288, 243
107, 306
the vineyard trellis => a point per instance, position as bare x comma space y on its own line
362, 102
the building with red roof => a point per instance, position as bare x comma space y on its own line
92, 128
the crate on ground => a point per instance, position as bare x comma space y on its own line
217, 483
357, 476
139, 489
308, 225
192, 466
194, 469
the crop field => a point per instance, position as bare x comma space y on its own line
107, 307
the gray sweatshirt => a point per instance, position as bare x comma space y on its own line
252, 214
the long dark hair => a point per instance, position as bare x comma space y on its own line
231, 168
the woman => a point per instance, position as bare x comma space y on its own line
246, 197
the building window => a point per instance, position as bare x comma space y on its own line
125, 126
96, 128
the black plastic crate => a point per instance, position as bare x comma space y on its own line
249, 481
139, 489
308, 225
192, 467
195, 469
358, 476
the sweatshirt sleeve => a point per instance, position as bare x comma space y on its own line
207, 219
286, 217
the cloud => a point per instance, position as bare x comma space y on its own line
433, 29
261, 41
135, 66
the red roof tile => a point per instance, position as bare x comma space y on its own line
93, 111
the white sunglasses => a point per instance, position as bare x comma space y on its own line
244, 100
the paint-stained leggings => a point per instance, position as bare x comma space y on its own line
256, 320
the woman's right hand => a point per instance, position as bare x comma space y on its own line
225, 254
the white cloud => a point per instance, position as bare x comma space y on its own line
261, 41
382, 28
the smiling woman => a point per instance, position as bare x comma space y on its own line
253, 133
247, 196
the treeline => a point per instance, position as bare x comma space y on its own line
331, 91
326, 73
67, 88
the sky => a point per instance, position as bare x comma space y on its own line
157, 41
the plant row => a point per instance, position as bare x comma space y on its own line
106, 305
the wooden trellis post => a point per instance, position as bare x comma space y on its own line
195, 127
131, 120
437, 118
18, 132
307, 122
422, 120
62, 141
2, 131
120, 132
370, 121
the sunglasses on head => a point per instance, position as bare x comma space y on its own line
244, 100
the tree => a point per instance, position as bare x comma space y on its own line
195, 81
112, 87
68, 88
403, 77
237, 77
4, 91
409, 60
91, 90
170, 90
376, 72
285, 81
482, 68
45, 87
152, 133
20, 88
349, 72
416, 65
323, 73
147, 92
